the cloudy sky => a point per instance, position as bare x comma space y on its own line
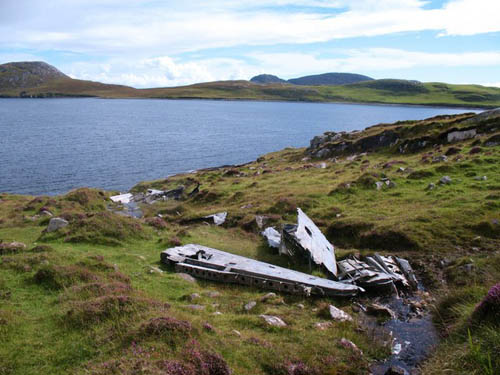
152, 43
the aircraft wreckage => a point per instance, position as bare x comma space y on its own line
351, 276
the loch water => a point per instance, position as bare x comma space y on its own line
49, 146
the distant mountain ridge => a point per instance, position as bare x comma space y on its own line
325, 79
41, 80
27, 74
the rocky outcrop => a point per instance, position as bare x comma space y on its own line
27, 74
331, 144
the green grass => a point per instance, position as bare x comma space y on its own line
80, 305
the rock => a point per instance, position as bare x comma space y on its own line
301, 306
379, 185
154, 269
237, 333
56, 223
46, 213
445, 180
268, 297
187, 277
431, 186
380, 310
339, 315
217, 313
480, 178
196, 307
348, 344
460, 135
475, 150
273, 320
323, 325
11, 247
439, 159
396, 370
390, 184
250, 305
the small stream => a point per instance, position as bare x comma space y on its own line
413, 333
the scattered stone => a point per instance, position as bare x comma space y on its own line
439, 159
237, 333
268, 297
301, 306
339, 315
480, 178
154, 269
348, 344
217, 313
187, 277
396, 370
445, 180
323, 325
401, 170
196, 307
273, 320
431, 186
250, 305
380, 310
46, 213
321, 165
390, 184
379, 185
56, 223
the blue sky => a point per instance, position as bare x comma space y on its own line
153, 43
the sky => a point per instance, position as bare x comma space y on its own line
161, 43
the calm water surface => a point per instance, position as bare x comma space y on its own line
49, 146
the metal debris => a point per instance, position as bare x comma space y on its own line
273, 237
306, 239
218, 218
122, 198
204, 262
378, 271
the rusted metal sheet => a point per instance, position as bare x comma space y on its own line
212, 264
306, 239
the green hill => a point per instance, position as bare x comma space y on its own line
42, 80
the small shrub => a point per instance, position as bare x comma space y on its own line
417, 175
57, 277
156, 222
489, 307
167, 328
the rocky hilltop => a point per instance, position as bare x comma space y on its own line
267, 78
325, 79
27, 74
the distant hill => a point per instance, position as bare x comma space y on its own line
27, 74
330, 79
267, 78
40, 80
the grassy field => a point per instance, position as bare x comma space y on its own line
92, 298
378, 91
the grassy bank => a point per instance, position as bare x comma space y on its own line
93, 298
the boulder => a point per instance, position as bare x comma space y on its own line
445, 180
381, 311
56, 223
273, 320
187, 277
339, 315
268, 296
250, 305
348, 344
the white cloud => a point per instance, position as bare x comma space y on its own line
117, 27
165, 71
